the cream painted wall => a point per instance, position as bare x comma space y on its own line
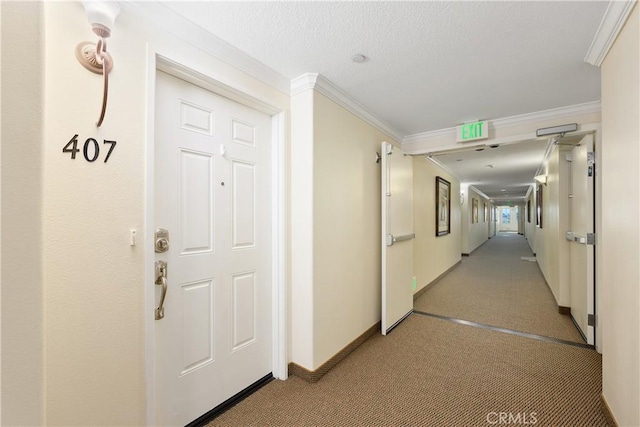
433, 255
620, 243
346, 218
492, 220
473, 234
22, 214
95, 313
552, 249
521, 218
0, 216
530, 225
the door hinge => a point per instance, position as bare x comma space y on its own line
591, 319
591, 238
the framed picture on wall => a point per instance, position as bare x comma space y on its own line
474, 211
539, 206
443, 206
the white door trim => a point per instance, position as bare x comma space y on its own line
157, 61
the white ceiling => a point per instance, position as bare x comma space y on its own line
431, 65
508, 167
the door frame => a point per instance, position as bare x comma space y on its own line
163, 62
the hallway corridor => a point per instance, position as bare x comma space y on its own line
431, 371
496, 286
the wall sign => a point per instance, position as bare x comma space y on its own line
90, 149
472, 131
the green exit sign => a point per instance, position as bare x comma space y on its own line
472, 131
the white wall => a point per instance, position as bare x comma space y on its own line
22, 214
302, 234
433, 255
473, 234
619, 247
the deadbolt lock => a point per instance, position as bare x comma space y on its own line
162, 240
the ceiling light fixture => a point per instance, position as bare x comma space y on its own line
557, 130
359, 58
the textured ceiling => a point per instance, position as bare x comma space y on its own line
508, 167
431, 65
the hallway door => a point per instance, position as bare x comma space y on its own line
213, 196
397, 236
581, 226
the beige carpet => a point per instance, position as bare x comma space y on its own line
431, 372
495, 286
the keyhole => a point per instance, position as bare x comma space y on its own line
222, 183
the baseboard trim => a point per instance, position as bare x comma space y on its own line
584, 337
435, 281
561, 309
564, 310
606, 410
314, 376
475, 249
231, 402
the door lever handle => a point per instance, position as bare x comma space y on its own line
161, 279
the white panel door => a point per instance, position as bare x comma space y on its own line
213, 195
397, 236
581, 224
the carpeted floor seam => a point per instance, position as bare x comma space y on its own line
504, 330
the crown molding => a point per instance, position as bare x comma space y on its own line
327, 88
167, 20
521, 119
612, 22
304, 82
441, 166
529, 190
474, 188
551, 114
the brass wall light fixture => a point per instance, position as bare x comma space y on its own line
94, 56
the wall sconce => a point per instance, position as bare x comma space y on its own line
542, 179
94, 56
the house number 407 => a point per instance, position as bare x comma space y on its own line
90, 149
